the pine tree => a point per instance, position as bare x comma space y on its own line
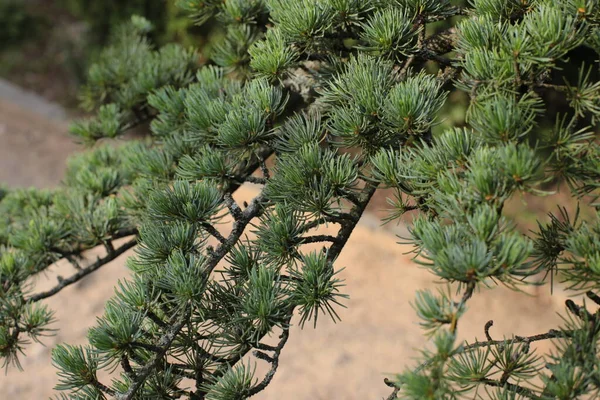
347, 96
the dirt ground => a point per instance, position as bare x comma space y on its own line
33, 148
378, 334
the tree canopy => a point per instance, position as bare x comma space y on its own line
346, 96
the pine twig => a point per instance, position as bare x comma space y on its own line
273, 360
318, 239
164, 345
83, 272
214, 232
551, 334
523, 391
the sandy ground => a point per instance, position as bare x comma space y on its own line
348, 360
33, 147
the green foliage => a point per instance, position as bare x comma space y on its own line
317, 290
272, 56
184, 202
389, 32
131, 61
344, 96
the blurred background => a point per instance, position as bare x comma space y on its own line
45, 49
47, 45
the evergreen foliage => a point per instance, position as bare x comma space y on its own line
347, 97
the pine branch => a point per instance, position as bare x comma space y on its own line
163, 344
357, 78
150, 314
319, 238
214, 232
83, 272
350, 223
252, 211
273, 360
102, 387
332, 254
551, 334
127, 367
256, 180
263, 167
466, 296
234, 208
520, 390
395, 391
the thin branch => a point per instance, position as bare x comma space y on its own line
486, 329
127, 367
594, 297
250, 178
394, 394
146, 346
263, 167
430, 55
83, 272
468, 293
351, 197
578, 311
254, 209
103, 387
266, 347
150, 314
76, 253
257, 180
349, 224
313, 224
523, 391
341, 218
110, 248
164, 345
273, 360
551, 334
318, 239
214, 232
73, 261
558, 88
